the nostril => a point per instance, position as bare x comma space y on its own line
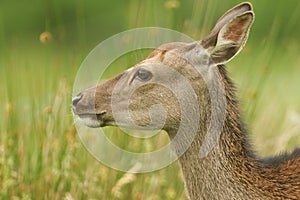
76, 99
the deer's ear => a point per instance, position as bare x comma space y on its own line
230, 34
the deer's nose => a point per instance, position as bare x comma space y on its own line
75, 100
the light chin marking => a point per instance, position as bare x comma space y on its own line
92, 123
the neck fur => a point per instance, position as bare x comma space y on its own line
230, 170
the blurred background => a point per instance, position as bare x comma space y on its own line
42, 44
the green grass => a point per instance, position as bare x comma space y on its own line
41, 155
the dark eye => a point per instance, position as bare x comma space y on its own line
143, 75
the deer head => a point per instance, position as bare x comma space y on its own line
142, 97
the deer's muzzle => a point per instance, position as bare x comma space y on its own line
92, 106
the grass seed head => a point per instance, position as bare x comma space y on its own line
45, 37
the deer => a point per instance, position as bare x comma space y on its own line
232, 169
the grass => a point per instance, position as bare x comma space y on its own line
41, 155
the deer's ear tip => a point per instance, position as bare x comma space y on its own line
248, 16
248, 5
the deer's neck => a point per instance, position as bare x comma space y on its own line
229, 170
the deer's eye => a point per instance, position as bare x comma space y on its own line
143, 75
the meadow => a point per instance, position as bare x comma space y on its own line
41, 155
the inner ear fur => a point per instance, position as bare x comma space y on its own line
229, 34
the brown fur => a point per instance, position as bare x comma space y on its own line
231, 170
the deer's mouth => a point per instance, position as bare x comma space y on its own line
93, 120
